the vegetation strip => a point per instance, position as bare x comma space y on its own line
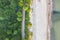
11, 19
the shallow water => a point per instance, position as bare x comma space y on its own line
55, 31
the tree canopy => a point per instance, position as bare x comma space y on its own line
11, 19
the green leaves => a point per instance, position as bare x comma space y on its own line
1, 18
26, 8
15, 32
6, 38
19, 19
26, 5
19, 14
9, 24
21, 3
11, 19
9, 32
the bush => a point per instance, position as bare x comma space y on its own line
11, 19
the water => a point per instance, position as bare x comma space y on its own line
55, 31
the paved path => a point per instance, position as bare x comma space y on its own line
39, 18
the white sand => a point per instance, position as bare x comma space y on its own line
39, 20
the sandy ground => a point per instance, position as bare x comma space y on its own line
39, 20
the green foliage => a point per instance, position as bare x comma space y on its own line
19, 14
11, 19
7, 39
9, 24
